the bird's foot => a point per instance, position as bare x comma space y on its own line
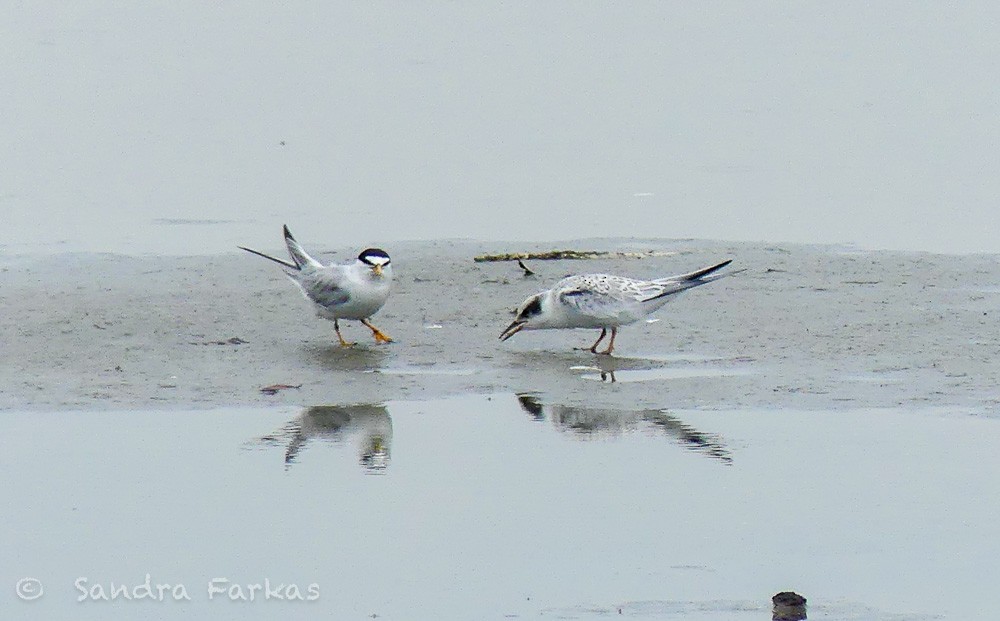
380, 337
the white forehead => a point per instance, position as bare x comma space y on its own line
375, 260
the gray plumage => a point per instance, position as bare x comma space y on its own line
353, 291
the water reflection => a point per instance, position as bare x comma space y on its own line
605, 366
630, 369
590, 422
369, 424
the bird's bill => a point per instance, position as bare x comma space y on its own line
377, 269
512, 329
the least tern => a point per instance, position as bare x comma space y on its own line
353, 291
603, 301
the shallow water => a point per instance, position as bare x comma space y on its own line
366, 124
504, 506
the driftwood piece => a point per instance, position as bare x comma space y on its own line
553, 255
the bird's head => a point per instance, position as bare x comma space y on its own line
377, 260
530, 316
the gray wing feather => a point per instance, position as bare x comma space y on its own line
324, 286
602, 295
591, 303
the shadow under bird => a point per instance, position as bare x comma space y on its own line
604, 301
356, 290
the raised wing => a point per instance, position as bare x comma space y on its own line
298, 254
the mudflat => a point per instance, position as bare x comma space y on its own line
803, 326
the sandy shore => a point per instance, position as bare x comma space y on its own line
802, 327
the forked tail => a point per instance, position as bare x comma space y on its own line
283, 262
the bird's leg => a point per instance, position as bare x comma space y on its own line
611, 343
380, 336
593, 348
343, 343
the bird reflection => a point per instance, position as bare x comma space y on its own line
604, 365
589, 422
371, 424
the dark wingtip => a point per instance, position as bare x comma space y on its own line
288, 234
708, 270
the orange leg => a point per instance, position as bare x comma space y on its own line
380, 336
343, 343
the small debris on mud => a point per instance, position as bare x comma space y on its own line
230, 341
274, 388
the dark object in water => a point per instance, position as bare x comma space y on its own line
527, 272
788, 606
274, 388
553, 255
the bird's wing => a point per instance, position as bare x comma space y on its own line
299, 255
602, 295
698, 274
300, 258
682, 282
326, 286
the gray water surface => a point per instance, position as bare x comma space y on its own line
504, 506
190, 128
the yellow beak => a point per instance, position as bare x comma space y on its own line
377, 269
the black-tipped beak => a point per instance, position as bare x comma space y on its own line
512, 329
